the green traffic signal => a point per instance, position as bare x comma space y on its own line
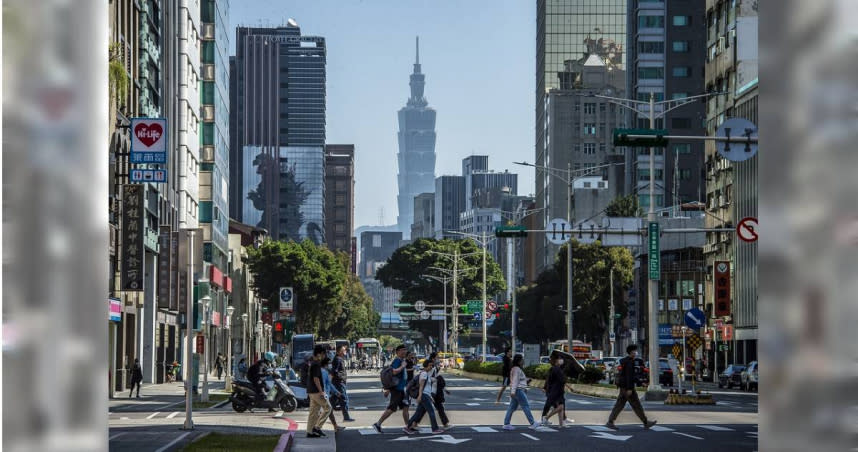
510, 231
646, 137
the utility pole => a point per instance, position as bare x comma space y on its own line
189, 343
612, 337
569, 271
454, 336
485, 245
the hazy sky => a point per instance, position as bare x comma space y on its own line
479, 61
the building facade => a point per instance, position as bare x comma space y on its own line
424, 216
416, 155
449, 204
731, 189
278, 132
340, 197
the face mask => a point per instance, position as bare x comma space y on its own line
559, 362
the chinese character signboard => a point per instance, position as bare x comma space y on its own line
722, 288
654, 252
149, 147
182, 238
132, 238
166, 294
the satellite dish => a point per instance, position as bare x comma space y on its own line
291, 22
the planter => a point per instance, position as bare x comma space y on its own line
689, 399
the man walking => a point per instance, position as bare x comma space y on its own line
626, 383
136, 377
219, 363
397, 394
338, 372
320, 408
507, 365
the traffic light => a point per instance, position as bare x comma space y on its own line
510, 231
647, 137
506, 306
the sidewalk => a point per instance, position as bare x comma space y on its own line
159, 394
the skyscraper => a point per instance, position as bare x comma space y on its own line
340, 196
416, 149
277, 156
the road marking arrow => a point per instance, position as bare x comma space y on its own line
603, 435
447, 439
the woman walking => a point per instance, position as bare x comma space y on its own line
555, 394
518, 385
424, 402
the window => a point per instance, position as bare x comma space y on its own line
643, 174
651, 47
587, 184
680, 46
685, 174
589, 128
576, 148
651, 22
644, 97
681, 21
651, 72
590, 148
376, 240
682, 148
589, 109
679, 96
680, 123
645, 151
602, 148
681, 71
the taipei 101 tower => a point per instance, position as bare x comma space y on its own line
416, 149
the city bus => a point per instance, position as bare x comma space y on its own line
368, 349
580, 350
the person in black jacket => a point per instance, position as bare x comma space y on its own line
626, 383
338, 379
136, 377
507, 365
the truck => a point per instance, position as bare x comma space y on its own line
302, 348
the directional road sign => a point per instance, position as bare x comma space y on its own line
747, 229
695, 319
740, 130
558, 231
478, 316
287, 299
420, 305
425, 315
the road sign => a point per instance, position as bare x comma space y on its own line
201, 344
613, 337
478, 316
425, 315
727, 334
677, 350
654, 252
474, 306
420, 305
492, 306
747, 229
287, 300
640, 137
740, 130
723, 347
695, 319
510, 231
558, 231
693, 342
722, 288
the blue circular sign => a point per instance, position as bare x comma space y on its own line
695, 318
286, 294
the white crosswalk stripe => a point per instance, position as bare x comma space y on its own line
484, 430
153, 415
598, 428
687, 435
173, 414
716, 428
368, 431
659, 428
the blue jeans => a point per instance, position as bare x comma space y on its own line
424, 407
520, 398
341, 387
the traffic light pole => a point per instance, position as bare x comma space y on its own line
569, 271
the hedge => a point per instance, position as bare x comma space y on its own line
590, 375
538, 371
484, 368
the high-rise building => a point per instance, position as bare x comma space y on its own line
277, 155
666, 45
424, 216
416, 149
340, 196
568, 32
449, 204
731, 188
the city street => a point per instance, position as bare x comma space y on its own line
153, 424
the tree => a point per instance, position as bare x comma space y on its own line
542, 305
389, 343
624, 206
404, 270
312, 271
358, 317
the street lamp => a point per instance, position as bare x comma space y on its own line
455, 256
258, 335
443, 280
244, 347
484, 243
205, 301
228, 385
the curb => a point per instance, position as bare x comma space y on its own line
285, 443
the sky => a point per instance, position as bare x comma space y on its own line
480, 64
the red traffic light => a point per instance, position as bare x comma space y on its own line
506, 305
278, 327
497, 316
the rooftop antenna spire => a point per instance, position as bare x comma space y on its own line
417, 46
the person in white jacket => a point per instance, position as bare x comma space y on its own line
518, 397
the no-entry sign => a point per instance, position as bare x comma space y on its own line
747, 229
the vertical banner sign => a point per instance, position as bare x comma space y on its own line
149, 147
654, 252
165, 292
722, 288
132, 238
182, 262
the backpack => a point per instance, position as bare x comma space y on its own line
388, 379
412, 389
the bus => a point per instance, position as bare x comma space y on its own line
580, 350
302, 348
368, 349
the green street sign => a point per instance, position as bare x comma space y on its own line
654, 252
640, 137
474, 306
510, 231
723, 347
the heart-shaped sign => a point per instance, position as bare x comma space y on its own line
722, 268
148, 134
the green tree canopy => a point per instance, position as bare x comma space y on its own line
405, 269
358, 317
624, 206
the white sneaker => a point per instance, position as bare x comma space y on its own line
508, 427
568, 422
545, 421
535, 425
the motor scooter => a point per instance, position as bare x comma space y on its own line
280, 396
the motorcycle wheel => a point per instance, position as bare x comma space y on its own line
288, 404
239, 408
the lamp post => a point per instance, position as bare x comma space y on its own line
267, 337
455, 256
484, 244
652, 289
189, 331
258, 335
244, 347
229, 360
205, 301
443, 280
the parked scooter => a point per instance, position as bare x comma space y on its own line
279, 396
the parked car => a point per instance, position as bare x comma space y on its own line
493, 359
665, 373
751, 377
732, 376
610, 363
544, 360
641, 372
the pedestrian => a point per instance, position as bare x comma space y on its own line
330, 391
320, 408
136, 377
439, 399
338, 379
626, 383
219, 364
507, 365
555, 387
518, 386
424, 401
242, 368
397, 394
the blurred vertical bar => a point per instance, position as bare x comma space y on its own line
55, 225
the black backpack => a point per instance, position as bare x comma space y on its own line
388, 379
413, 387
